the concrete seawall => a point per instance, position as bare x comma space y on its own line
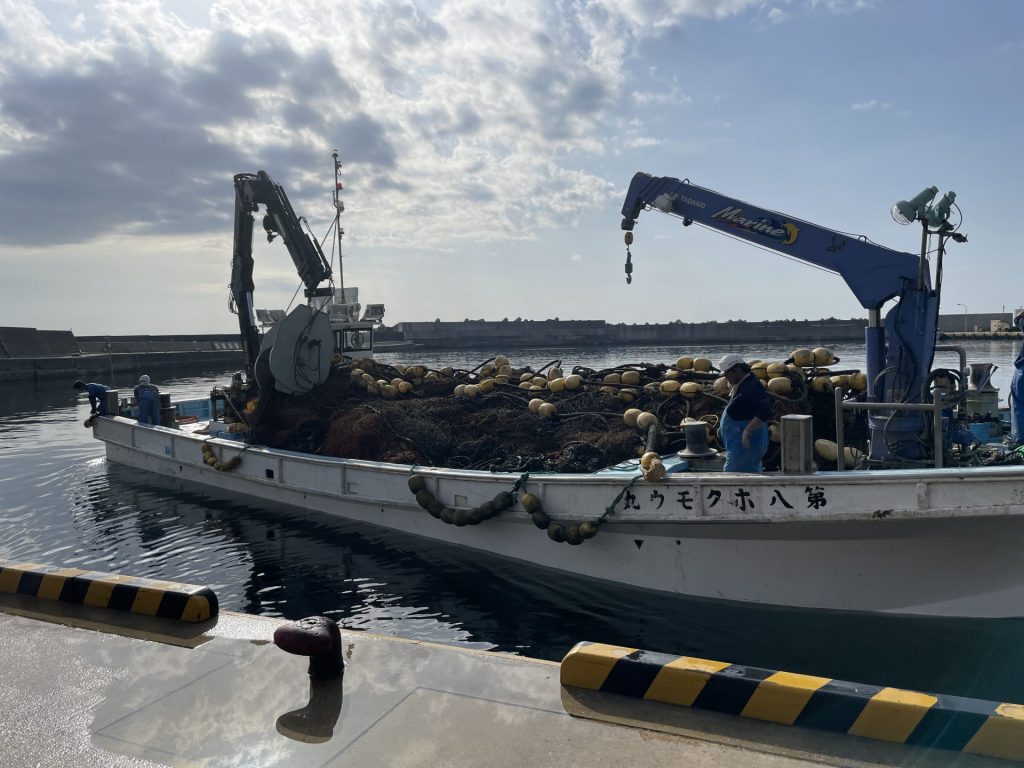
122, 366
31, 355
28, 354
510, 334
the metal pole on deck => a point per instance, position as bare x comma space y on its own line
339, 206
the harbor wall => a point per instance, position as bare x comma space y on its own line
32, 355
29, 354
30, 342
509, 334
119, 367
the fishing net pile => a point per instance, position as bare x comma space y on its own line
503, 418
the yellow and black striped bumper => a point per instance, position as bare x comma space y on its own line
888, 714
149, 597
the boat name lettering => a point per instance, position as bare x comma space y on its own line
775, 229
741, 498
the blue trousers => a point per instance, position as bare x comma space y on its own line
1017, 405
738, 458
149, 412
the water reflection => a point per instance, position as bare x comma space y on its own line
314, 723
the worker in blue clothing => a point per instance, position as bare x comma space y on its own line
1017, 387
148, 397
97, 395
744, 423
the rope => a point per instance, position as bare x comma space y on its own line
520, 482
610, 509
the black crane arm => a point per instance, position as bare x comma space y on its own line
252, 191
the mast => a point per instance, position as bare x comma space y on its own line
339, 206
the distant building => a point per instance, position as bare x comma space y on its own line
977, 322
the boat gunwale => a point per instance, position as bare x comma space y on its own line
543, 484
686, 477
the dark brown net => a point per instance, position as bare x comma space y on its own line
496, 430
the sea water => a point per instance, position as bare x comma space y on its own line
61, 503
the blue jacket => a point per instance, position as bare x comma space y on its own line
146, 392
96, 392
750, 399
97, 396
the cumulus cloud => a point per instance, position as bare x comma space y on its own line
468, 120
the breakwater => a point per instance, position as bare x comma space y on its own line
512, 334
28, 354
32, 355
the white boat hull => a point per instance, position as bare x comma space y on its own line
928, 542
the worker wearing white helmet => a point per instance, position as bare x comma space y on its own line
744, 423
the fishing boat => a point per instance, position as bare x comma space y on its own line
904, 521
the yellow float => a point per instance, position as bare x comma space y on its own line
646, 420
823, 356
803, 358
689, 389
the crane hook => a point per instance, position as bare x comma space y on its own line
629, 266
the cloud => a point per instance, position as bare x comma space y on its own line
842, 6
136, 141
663, 14
639, 142
672, 96
869, 105
125, 119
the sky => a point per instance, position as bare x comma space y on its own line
487, 147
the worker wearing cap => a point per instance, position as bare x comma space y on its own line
744, 423
148, 397
1017, 387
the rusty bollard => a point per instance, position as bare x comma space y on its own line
317, 637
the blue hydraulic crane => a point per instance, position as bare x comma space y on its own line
899, 349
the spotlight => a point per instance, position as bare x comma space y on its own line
906, 211
937, 214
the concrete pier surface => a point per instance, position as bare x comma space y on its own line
89, 687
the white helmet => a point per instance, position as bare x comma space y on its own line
143, 379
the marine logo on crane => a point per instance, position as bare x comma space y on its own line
784, 232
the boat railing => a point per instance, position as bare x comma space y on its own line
961, 352
936, 407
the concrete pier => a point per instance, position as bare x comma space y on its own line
90, 687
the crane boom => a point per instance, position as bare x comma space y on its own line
873, 272
899, 351
252, 191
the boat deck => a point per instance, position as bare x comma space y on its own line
91, 687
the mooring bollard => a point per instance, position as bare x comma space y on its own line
317, 637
